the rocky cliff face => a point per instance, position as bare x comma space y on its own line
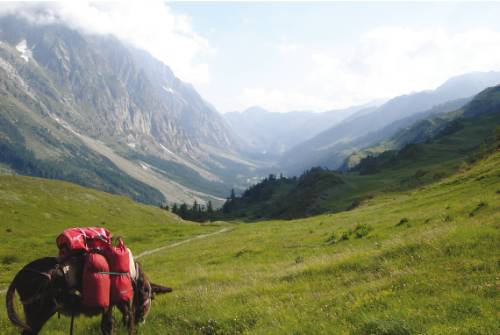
121, 97
120, 91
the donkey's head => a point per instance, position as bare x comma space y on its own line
144, 293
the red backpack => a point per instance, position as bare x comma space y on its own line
96, 282
121, 283
83, 239
106, 278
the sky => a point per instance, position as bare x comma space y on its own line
287, 56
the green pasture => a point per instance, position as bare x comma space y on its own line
421, 261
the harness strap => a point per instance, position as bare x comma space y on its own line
113, 273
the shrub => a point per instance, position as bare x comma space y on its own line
402, 222
420, 173
332, 239
9, 259
479, 206
346, 235
354, 204
299, 259
362, 230
242, 252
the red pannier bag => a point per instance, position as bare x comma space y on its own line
83, 239
96, 282
121, 284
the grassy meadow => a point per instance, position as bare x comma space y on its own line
423, 261
34, 211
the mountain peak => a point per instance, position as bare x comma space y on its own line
255, 110
470, 82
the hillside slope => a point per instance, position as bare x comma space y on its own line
331, 147
86, 101
403, 263
427, 151
485, 103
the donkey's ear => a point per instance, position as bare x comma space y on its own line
158, 289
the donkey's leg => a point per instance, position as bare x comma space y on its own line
107, 321
37, 314
127, 310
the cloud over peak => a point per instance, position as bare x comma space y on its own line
152, 27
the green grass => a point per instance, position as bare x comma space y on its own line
34, 211
422, 261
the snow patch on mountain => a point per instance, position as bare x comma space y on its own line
22, 47
169, 89
144, 166
164, 148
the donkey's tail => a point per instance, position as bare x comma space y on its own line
11, 311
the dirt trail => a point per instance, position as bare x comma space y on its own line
173, 245
169, 246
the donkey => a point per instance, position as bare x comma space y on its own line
44, 291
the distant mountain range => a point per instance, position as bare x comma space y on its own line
332, 146
267, 135
438, 145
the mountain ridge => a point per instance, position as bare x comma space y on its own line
271, 133
76, 85
430, 150
329, 144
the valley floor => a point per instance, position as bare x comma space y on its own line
419, 262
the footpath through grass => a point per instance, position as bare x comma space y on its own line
33, 211
419, 262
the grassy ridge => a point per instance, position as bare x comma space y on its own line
427, 264
419, 262
411, 167
34, 211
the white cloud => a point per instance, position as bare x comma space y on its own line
390, 61
153, 27
381, 63
287, 47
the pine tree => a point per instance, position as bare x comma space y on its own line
183, 211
